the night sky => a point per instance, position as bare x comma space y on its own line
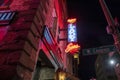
91, 28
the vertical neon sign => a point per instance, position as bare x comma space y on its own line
72, 33
72, 46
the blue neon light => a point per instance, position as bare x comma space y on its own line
72, 34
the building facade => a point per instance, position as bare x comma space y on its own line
30, 45
105, 69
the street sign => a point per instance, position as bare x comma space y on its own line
99, 50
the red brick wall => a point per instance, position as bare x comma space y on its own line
18, 47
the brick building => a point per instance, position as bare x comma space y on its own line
30, 45
105, 70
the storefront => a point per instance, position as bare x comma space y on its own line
51, 49
63, 75
49, 59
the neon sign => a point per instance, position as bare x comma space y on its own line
72, 34
72, 48
71, 20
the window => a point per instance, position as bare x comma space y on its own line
6, 17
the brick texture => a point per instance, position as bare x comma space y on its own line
18, 47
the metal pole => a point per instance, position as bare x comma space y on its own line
107, 13
112, 28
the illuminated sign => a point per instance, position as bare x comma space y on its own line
72, 34
71, 20
72, 48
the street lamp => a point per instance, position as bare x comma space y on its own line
112, 62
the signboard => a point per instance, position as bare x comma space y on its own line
99, 50
72, 34
72, 46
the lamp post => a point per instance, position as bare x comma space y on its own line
113, 26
